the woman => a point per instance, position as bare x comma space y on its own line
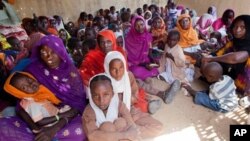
189, 40
159, 33
138, 44
52, 67
223, 24
203, 25
94, 60
235, 55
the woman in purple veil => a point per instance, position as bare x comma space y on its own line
53, 68
138, 44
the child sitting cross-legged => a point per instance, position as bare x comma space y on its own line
222, 92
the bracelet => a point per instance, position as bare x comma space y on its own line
57, 117
36, 131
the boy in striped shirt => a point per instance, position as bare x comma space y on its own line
221, 96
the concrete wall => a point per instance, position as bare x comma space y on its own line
70, 9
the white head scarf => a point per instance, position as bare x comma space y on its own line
123, 85
113, 108
118, 34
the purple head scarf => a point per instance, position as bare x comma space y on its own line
137, 44
64, 81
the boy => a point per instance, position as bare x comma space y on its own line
173, 61
222, 92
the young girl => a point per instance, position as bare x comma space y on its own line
125, 84
36, 99
101, 117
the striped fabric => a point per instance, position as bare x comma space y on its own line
225, 91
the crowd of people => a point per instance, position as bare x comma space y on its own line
102, 76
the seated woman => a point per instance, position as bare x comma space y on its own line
159, 33
203, 25
94, 59
52, 67
189, 40
223, 24
234, 57
137, 44
125, 85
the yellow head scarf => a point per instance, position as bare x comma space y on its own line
42, 94
189, 37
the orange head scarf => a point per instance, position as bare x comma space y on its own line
188, 37
42, 94
158, 32
94, 60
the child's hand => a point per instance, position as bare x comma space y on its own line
169, 55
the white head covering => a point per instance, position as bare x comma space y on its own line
123, 85
118, 34
113, 108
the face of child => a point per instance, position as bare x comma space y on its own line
173, 40
119, 41
239, 30
102, 93
147, 16
50, 58
139, 26
63, 35
89, 34
211, 76
116, 69
27, 84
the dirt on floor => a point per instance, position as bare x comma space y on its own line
185, 121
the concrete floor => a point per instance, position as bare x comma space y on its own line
185, 121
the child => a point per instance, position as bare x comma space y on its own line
125, 85
36, 99
221, 96
173, 61
101, 117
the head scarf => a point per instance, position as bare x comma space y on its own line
113, 108
242, 44
42, 94
123, 85
214, 12
94, 60
64, 81
137, 44
188, 37
204, 23
158, 32
120, 34
147, 20
219, 22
